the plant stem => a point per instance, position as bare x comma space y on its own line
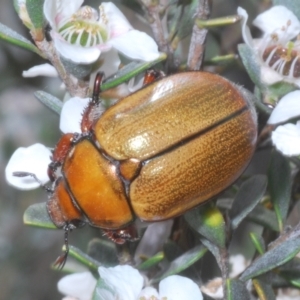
197, 46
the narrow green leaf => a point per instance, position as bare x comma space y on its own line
50, 101
152, 261
129, 71
183, 21
183, 262
279, 89
216, 252
248, 196
208, 221
217, 22
264, 217
259, 215
83, 258
251, 63
15, 38
274, 258
263, 290
236, 290
279, 175
37, 215
35, 12
258, 242
103, 251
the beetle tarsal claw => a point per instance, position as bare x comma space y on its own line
61, 260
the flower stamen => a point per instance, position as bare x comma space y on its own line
284, 60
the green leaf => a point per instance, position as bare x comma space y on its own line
272, 259
216, 252
248, 196
104, 252
183, 262
152, 261
83, 258
15, 38
183, 20
236, 290
37, 215
279, 175
128, 72
279, 89
291, 5
251, 63
103, 291
264, 217
208, 221
263, 290
259, 215
35, 12
50, 101
258, 242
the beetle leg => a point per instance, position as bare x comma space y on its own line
93, 111
151, 75
61, 260
120, 236
25, 174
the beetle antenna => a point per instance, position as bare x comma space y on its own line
25, 174
61, 260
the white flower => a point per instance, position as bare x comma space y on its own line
79, 286
41, 70
287, 108
81, 35
126, 283
286, 138
34, 159
277, 50
238, 264
71, 114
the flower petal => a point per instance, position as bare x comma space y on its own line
286, 139
125, 280
34, 159
275, 19
117, 22
238, 264
71, 114
136, 45
287, 108
213, 288
269, 76
148, 293
41, 70
178, 287
110, 62
245, 29
77, 54
57, 10
78, 285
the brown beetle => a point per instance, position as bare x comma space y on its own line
157, 153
